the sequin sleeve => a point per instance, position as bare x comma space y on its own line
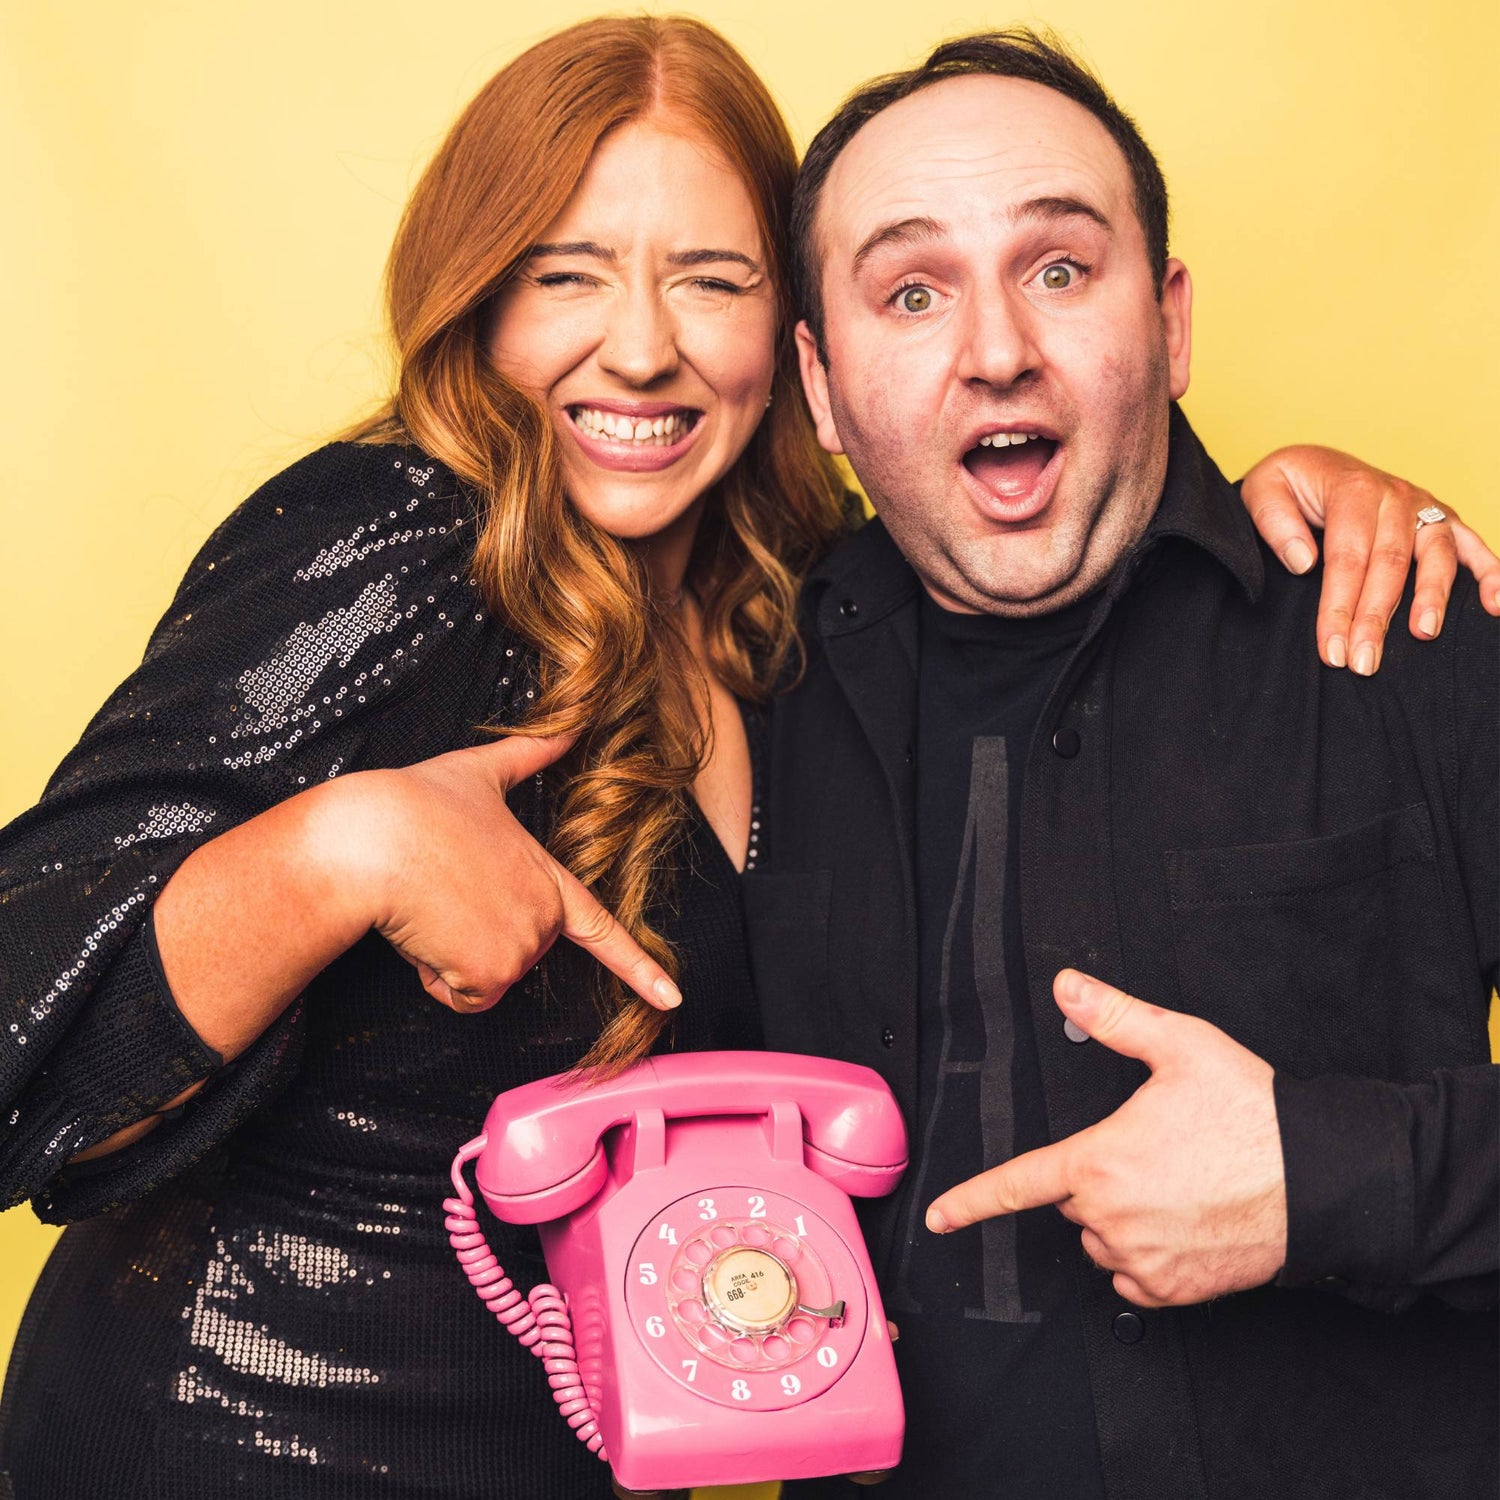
330, 624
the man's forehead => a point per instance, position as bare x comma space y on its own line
971, 145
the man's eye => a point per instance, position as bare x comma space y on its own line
914, 299
1059, 277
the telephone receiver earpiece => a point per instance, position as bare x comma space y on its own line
544, 1156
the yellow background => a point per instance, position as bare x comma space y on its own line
197, 201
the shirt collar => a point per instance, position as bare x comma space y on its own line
1200, 506
866, 577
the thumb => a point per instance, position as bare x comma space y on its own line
518, 756
1131, 1027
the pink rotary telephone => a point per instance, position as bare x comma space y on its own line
715, 1318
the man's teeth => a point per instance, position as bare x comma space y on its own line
661, 432
1007, 439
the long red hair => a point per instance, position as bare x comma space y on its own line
615, 669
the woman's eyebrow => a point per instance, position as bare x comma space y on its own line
574, 247
707, 257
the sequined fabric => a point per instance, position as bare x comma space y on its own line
260, 1298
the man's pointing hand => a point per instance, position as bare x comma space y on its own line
1181, 1192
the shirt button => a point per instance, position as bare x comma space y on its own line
1129, 1327
1066, 743
848, 609
1074, 1032
887, 1038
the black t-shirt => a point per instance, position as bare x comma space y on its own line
991, 1352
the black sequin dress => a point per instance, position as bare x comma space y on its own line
259, 1298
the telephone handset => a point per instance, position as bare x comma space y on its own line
714, 1317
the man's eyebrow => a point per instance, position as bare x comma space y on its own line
1035, 209
707, 257
913, 231
921, 230
574, 247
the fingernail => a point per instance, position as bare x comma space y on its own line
667, 993
1364, 660
936, 1222
1338, 652
1299, 557
1428, 624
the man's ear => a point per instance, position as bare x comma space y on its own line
1177, 323
815, 388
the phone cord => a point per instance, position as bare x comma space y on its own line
540, 1321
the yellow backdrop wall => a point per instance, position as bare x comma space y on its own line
198, 201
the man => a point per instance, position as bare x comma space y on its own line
1059, 714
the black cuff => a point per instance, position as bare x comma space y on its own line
132, 1050
1347, 1155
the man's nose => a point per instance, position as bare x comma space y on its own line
998, 345
640, 344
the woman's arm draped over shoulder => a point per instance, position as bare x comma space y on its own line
1372, 543
302, 644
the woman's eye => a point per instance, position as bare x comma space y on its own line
914, 299
562, 278
1057, 278
713, 284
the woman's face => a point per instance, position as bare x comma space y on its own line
645, 321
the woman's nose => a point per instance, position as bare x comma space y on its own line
640, 344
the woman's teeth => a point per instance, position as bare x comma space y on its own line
660, 432
1007, 439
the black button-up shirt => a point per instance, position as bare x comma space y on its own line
1215, 822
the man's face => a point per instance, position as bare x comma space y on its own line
997, 364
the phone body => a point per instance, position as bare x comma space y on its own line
695, 1216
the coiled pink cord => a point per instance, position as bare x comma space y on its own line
540, 1321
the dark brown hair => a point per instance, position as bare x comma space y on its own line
1016, 53
616, 672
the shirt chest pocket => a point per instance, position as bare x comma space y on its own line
1331, 954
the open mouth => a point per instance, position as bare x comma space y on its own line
660, 429
1010, 465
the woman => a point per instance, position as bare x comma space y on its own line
584, 513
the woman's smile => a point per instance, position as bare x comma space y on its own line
633, 436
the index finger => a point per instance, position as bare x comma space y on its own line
1027, 1181
1385, 578
588, 924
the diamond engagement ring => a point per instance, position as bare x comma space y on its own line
1430, 515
